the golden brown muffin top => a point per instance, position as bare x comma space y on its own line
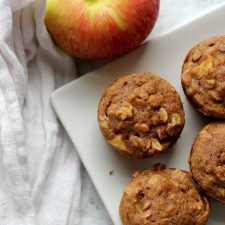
141, 115
161, 196
207, 160
203, 76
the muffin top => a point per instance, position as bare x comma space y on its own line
203, 76
140, 115
163, 196
207, 160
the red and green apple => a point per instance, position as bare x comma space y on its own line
100, 29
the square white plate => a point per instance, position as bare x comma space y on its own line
76, 105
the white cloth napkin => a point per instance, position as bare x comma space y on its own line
39, 169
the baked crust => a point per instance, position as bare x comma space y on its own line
207, 160
203, 76
141, 115
163, 196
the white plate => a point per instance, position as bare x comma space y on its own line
76, 105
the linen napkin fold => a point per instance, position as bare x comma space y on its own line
39, 169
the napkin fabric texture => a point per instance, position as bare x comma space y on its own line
39, 168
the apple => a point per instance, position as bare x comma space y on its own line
100, 29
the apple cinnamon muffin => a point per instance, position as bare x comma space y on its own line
207, 160
163, 196
141, 115
203, 76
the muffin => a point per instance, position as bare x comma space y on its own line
163, 196
207, 160
203, 77
140, 115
